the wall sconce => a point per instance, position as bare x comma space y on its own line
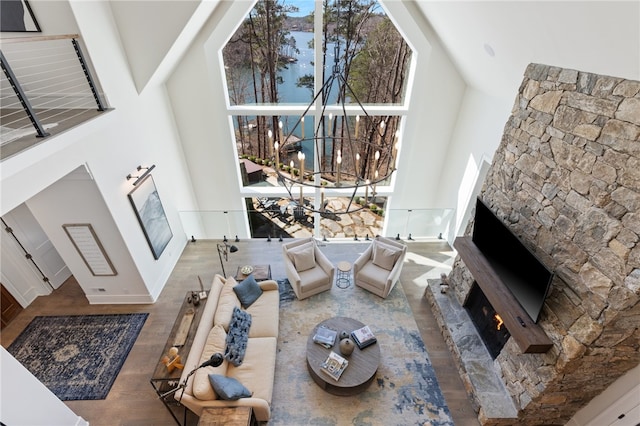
139, 178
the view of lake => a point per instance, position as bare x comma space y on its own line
289, 92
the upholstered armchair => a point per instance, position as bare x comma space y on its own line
308, 269
378, 268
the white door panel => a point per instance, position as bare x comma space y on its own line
33, 238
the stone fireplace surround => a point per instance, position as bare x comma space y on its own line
566, 180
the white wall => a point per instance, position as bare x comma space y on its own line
51, 208
433, 110
138, 131
198, 98
478, 133
147, 33
19, 389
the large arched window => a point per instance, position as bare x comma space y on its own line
284, 109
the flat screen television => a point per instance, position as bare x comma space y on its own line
528, 279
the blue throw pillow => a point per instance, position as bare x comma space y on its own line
248, 291
228, 388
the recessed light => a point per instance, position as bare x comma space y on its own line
489, 50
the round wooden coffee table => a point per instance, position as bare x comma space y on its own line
363, 364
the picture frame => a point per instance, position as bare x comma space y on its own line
17, 16
90, 248
146, 203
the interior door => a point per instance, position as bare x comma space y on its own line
9, 306
32, 237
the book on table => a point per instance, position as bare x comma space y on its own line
363, 337
325, 336
334, 365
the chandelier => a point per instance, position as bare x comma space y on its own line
347, 158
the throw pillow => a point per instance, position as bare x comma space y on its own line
303, 256
228, 388
385, 256
238, 336
248, 291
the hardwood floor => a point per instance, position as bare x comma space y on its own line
132, 400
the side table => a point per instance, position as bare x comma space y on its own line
227, 416
162, 380
260, 273
343, 277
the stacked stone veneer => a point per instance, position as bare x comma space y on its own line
566, 179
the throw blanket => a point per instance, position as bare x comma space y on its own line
238, 336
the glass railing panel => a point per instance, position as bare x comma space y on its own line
278, 217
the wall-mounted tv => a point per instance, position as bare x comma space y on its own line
521, 271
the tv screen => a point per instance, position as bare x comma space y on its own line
521, 271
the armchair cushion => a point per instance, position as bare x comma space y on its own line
385, 256
303, 257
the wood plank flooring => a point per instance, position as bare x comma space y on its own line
132, 400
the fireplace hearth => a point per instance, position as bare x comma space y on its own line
489, 324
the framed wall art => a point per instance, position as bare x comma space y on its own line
17, 16
90, 248
148, 207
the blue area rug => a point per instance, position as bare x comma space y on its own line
405, 390
77, 357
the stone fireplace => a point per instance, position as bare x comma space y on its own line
566, 180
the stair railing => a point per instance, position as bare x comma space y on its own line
46, 79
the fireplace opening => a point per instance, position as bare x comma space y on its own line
490, 326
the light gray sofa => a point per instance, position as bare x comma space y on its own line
257, 371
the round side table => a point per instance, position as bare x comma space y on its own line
343, 280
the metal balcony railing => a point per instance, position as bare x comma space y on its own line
46, 86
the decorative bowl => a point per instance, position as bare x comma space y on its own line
247, 269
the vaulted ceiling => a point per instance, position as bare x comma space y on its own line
492, 42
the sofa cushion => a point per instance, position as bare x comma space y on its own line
216, 342
384, 255
303, 256
265, 313
257, 372
227, 302
238, 336
228, 388
248, 291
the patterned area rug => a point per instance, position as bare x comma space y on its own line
405, 390
77, 357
